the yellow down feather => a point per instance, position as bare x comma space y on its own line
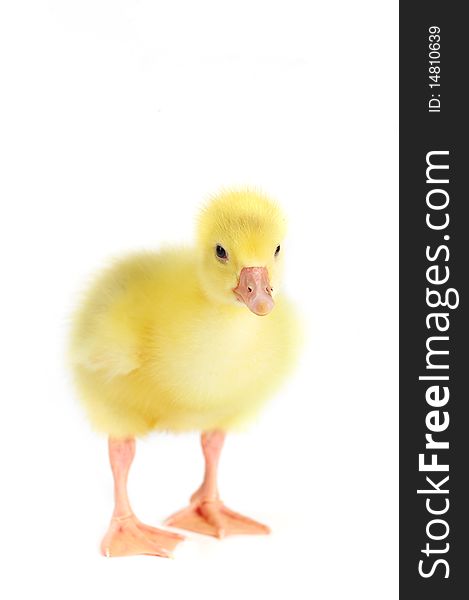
160, 341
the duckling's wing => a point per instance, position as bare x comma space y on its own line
110, 347
112, 327
109, 329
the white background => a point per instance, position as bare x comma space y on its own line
118, 118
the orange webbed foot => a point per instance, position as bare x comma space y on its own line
212, 517
127, 536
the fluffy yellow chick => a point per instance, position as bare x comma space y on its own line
186, 339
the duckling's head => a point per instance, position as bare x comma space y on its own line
240, 242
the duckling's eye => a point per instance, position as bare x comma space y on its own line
277, 250
221, 252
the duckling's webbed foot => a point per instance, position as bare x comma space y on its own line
213, 518
126, 535
206, 513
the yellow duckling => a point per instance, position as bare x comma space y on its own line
186, 339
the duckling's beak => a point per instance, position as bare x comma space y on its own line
254, 290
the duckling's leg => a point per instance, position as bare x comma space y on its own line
206, 513
126, 535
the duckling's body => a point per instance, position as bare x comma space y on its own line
186, 339
151, 351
